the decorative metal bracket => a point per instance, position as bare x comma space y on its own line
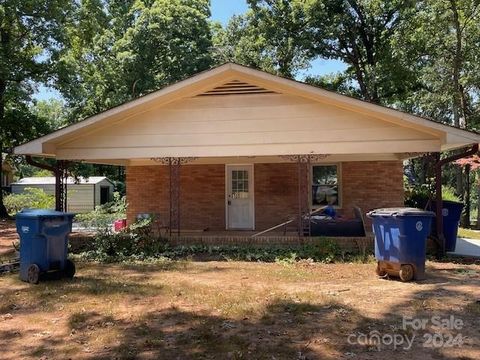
409, 155
173, 160
305, 158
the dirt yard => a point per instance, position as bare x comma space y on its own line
8, 234
239, 310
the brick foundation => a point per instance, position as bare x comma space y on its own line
368, 185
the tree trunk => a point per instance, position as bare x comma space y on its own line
458, 111
4, 40
3, 210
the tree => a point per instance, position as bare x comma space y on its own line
362, 34
119, 50
445, 34
30, 32
52, 111
271, 36
283, 36
471, 164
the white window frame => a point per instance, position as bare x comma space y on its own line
339, 185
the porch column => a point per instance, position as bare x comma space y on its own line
303, 165
304, 187
61, 180
174, 169
174, 166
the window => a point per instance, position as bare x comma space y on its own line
239, 184
325, 185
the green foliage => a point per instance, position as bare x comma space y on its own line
442, 37
117, 51
42, 173
138, 243
104, 215
271, 36
53, 112
448, 193
30, 35
417, 196
31, 198
137, 240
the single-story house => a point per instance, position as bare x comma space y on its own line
6, 177
234, 148
83, 194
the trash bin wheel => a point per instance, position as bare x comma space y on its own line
406, 272
69, 270
33, 274
380, 272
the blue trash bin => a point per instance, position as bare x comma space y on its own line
43, 243
400, 241
451, 211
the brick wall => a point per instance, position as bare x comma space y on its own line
147, 191
368, 185
202, 194
372, 184
276, 194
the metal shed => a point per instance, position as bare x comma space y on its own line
84, 194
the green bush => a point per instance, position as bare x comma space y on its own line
137, 239
448, 193
104, 215
419, 195
139, 244
31, 198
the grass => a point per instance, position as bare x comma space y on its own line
469, 233
237, 310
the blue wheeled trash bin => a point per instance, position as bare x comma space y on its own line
451, 213
400, 241
43, 243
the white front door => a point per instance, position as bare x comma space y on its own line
240, 197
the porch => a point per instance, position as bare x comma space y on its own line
200, 196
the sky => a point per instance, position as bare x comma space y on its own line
222, 11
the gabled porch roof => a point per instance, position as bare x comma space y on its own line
232, 111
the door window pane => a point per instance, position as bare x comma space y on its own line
239, 184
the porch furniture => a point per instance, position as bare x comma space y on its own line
324, 226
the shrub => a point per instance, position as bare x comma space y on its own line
139, 244
419, 195
448, 193
31, 198
104, 215
137, 239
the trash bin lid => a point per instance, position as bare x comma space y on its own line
401, 211
41, 213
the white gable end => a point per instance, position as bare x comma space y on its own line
247, 125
